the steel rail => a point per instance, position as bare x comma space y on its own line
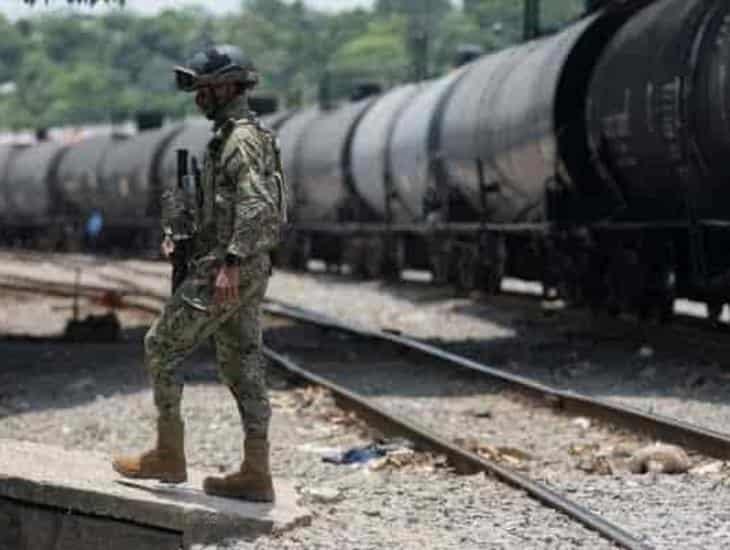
472, 227
19, 280
461, 460
708, 442
70, 290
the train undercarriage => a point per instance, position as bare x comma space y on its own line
634, 268
619, 268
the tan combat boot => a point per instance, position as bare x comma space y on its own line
252, 482
165, 462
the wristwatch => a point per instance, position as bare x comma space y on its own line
232, 260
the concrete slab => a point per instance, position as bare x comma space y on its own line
84, 483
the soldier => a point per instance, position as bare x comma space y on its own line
238, 216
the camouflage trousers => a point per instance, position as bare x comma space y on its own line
190, 317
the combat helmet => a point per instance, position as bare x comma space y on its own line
216, 65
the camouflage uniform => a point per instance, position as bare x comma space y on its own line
239, 211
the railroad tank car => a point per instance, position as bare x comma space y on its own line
412, 147
510, 150
371, 155
131, 183
30, 191
318, 170
574, 159
322, 178
80, 189
275, 120
513, 121
663, 136
519, 115
194, 137
6, 154
662, 139
290, 134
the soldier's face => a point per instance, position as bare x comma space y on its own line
211, 98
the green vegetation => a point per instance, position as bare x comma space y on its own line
92, 2
72, 70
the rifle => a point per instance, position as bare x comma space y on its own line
183, 243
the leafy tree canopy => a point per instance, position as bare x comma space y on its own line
77, 69
91, 2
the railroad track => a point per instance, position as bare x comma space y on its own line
669, 430
690, 436
107, 296
658, 427
708, 442
654, 426
462, 460
689, 327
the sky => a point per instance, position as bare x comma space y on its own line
14, 9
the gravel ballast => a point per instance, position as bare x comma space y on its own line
65, 399
97, 398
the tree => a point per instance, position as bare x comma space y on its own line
503, 20
379, 53
91, 2
409, 7
81, 69
11, 50
455, 30
423, 18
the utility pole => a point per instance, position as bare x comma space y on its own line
531, 29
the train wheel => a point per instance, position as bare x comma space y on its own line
466, 269
491, 280
394, 260
493, 250
440, 269
353, 257
372, 266
440, 261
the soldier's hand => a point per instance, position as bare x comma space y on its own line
226, 285
167, 247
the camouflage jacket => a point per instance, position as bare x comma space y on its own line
241, 204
